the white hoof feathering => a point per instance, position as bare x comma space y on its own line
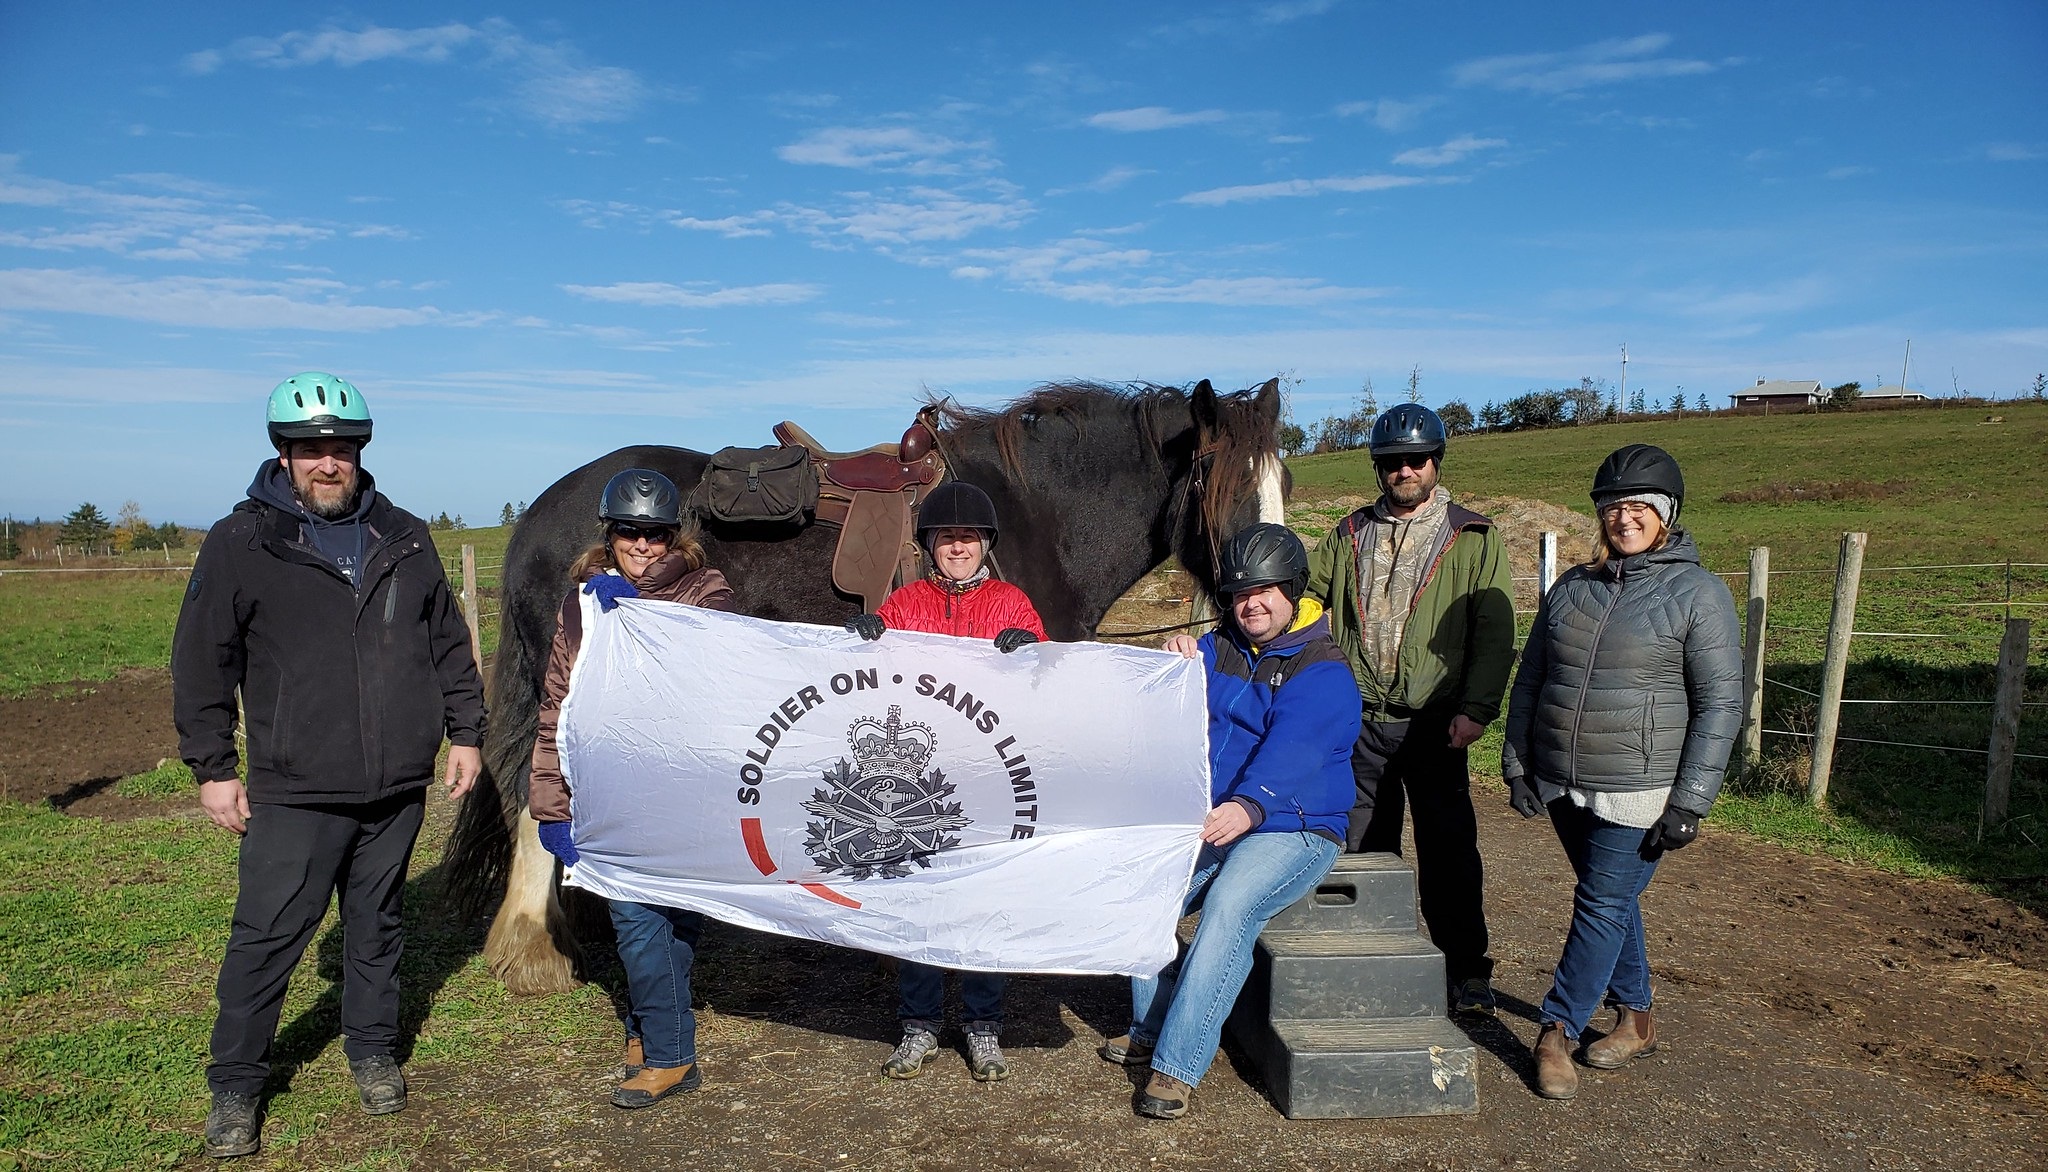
522, 949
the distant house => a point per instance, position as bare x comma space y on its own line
1781, 394
1895, 394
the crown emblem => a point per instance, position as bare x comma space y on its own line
890, 746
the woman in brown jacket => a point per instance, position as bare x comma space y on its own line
649, 552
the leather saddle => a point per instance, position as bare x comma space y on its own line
871, 497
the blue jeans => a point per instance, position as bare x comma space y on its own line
1603, 953
657, 946
923, 989
1239, 888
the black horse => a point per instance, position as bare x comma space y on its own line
1095, 485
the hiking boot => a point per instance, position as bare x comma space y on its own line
232, 1127
1129, 1050
1633, 1036
1556, 1077
1165, 1097
379, 1086
631, 1063
1474, 995
985, 1058
916, 1049
655, 1083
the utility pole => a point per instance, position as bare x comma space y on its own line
1624, 372
1903, 365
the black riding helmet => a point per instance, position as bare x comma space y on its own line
1406, 428
640, 496
956, 504
1264, 554
1639, 468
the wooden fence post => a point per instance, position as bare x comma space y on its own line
1841, 624
469, 608
2005, 723
1546, 565
1752, 743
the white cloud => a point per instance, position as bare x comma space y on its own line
1302, 187
210, 302
918, 215
2014, 152
1387, 113
696, 295
1236, 291
551, 83
1109, 180
877, 148
1450, 152
1855, 172
207, 224
730, 227
1600, 63
1292, 10
1145, 118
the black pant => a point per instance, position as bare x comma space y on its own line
1415, 756
292, 859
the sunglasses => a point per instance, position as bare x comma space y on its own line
651, 534
1404, 460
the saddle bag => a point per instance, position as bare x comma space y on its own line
757, 484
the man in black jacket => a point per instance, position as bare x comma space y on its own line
326, 606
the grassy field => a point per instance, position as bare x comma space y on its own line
114, 613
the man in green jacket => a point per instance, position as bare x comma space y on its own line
1418, 596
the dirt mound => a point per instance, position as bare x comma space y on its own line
68, 745
1522, 524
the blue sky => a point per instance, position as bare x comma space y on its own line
532, 236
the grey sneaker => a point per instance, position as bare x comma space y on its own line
379, 1086
985, 1058
1474, 995
233, 1126
916, 1049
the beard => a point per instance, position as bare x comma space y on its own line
328, 500
1410, 493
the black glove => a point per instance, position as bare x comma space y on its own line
1676, 828
1523, 798
867, 626
1010, 638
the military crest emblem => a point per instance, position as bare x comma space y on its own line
884, 811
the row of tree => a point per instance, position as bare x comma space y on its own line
88, 529
1592, 401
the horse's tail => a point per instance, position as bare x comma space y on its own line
479, 853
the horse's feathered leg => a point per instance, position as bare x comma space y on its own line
530, 947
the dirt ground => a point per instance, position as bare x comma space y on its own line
1814, 1015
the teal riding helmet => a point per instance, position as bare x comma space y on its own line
317, 405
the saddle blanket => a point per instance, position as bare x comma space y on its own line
921, 796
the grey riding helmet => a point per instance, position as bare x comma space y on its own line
956, 504
1264, 554
640, 496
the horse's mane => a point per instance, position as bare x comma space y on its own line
1244, 435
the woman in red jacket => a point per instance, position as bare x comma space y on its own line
956, 525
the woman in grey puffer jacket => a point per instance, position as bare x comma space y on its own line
1623, 714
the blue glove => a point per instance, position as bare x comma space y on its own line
554, 838
867, 626
1676, 828
1010, 638
609, 588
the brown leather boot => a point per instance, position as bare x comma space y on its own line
1556, 1077
632, 1061
1633, 1036
655, 1083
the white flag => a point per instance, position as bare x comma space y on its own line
920, 795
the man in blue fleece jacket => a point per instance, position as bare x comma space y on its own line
1283, 714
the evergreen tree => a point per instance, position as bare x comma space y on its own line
1701, 406
1457, 418
1678, 404
2040, 387
1636, 403
10, 545
505, 515
1415, 384
85, 526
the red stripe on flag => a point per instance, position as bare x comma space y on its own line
830, 896
757, 847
